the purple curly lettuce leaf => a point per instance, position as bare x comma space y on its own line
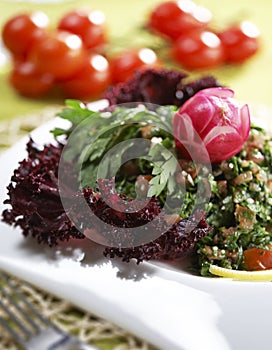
107, 204
34, 197
37, 209
177, 242
158, 86
118, 216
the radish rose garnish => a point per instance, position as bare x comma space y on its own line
211, 126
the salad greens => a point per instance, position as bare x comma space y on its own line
240, 207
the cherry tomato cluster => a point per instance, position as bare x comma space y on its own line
69, 56
45, 57
194, 44
73, 56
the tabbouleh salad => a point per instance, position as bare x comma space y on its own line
238, 215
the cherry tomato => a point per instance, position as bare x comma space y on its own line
257, 259
26, 80
61, 54
241, 41
199, 50
89, 25
126, 63
91, 81
175, 18
21, 31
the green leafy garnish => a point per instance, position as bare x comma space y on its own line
92, 135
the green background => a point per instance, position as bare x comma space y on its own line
251, 81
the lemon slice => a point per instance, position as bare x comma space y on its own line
264, 275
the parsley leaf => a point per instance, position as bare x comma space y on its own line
92, 135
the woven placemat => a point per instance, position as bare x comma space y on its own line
86, 326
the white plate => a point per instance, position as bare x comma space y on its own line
161, 303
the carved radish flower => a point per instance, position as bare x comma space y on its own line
211, 126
